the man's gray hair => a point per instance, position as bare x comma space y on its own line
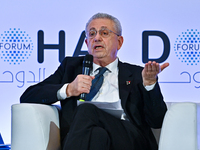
117, 24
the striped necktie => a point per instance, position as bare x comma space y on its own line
96, 84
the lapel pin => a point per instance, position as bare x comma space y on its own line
128, 82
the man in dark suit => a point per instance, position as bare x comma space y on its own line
86, 127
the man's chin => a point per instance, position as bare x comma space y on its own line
98, 56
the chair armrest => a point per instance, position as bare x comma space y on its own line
156, 132
35, 127
179, 130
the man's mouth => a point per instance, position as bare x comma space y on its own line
98, 47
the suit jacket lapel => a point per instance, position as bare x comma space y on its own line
124, 78
79, 70
73, 68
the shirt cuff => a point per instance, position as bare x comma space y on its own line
61, 94
150, 87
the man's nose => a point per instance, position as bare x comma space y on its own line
98, 37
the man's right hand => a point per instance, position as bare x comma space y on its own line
81, 84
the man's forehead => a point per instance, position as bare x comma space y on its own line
93, 28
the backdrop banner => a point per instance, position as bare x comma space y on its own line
36, 35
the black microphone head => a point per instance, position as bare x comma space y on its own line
88, 61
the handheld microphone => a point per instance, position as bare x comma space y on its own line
87, 66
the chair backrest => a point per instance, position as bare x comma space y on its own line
35, 127
179, 130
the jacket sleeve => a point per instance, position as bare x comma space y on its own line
154, 107
45, 92
145, 108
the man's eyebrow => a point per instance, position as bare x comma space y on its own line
92, 28
103, 27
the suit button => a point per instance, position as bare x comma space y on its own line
44, 100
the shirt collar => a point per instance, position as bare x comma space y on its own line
112, 67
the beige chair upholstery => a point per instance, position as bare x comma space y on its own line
35, 127
180, 128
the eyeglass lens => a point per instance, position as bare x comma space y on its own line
103, 32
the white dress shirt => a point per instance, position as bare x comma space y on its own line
109, 92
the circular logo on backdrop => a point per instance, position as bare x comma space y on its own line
187, 47
15, 46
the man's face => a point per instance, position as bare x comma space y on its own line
103, 49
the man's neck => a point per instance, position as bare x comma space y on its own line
102, 62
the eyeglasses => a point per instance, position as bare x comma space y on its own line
104, 32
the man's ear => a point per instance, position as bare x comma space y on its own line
120, 42
86, 42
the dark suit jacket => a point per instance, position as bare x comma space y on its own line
146, 109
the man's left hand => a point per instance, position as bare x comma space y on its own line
150, 72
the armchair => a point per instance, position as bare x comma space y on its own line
36, 127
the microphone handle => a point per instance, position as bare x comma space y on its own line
82, 97
86, 71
